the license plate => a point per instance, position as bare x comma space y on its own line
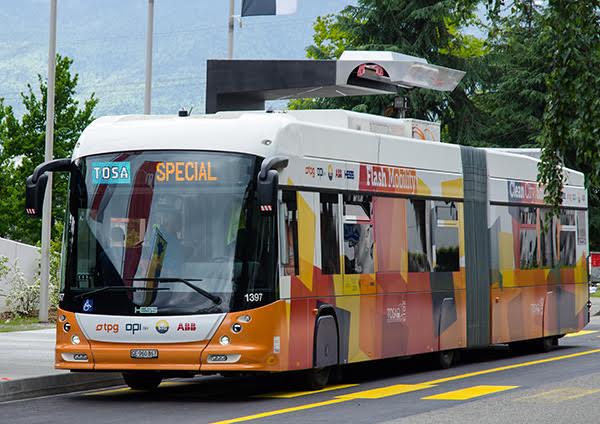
144, 353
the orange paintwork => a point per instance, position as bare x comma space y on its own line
254, 343
64, 345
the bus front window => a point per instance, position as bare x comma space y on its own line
167, 233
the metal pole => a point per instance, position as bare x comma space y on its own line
48, 155
230, 30
149, 37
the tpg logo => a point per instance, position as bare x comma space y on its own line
135, 327
109, 328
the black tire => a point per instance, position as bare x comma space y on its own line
142, 381
520, 348
445, 359
546, 344
315, 379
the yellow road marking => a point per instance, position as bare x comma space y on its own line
560, 395
382, 392
289, 395
109, 392
345, 398
510, 367
469, 393
281, 411
581, 333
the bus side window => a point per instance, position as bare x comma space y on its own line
528, 248
567, 238
330, 256
445, 237
547, 239
288, 233
358, 235
417, 234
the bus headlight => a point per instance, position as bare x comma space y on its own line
224, 340
75, 340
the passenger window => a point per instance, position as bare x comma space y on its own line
445, 237
528, 238
418, 254
358, 235
581, 228
288, 230
567, 238
547, 239
330, 250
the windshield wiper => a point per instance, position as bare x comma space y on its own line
116, 288
216, 299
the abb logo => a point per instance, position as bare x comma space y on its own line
109, 328
188, 326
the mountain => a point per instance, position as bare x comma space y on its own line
106, 39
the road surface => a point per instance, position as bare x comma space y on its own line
486, 386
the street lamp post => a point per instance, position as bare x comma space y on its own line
48, 154
230, 28
149, 37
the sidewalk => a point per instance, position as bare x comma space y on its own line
27, 354
27, 368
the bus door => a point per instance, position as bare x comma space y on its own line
358, 245
358, 266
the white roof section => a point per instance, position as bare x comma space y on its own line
514, 166
308, 134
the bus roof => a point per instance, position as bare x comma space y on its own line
324, 134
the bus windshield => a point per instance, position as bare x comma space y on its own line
166, 233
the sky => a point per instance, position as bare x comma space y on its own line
106, 39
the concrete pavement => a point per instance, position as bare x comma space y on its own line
27, 368
26, 354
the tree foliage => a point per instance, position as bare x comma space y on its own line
23, 142
532, 80
428, 29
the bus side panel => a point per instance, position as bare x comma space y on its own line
517, 313
538, 300
302, 323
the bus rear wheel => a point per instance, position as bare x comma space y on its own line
445, 359
142, 381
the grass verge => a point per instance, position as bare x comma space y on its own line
22, 324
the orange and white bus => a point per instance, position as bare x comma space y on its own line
247, 242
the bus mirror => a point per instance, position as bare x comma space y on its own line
268, 179
34, 195
35, 186
266, 192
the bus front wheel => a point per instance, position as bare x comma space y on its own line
315, 379
142, 381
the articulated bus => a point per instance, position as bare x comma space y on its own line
247, 242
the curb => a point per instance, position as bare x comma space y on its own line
56, 384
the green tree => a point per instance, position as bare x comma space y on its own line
546, 92
22, 144
514, 96
533, 82
428, 29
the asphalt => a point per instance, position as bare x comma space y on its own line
486, 386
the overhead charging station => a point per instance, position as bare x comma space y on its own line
235, 85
